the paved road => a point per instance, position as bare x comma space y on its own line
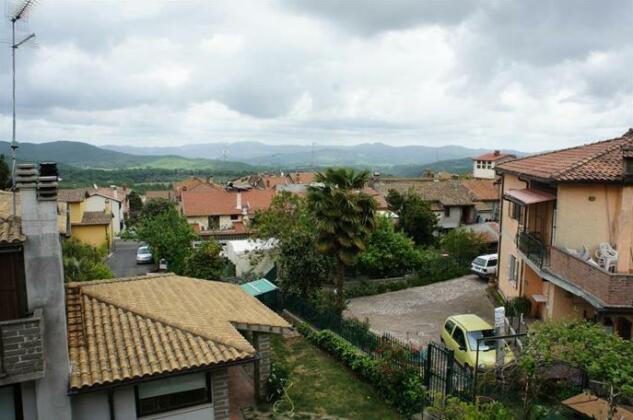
417, 314
122, 262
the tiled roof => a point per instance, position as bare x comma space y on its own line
381, 201
130, 328
222, 202
494, 156
601, 161
71, 195
448, 192
482, 189
11, 231
95, 218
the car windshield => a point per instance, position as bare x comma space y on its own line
484, 345
480, 261
143, 250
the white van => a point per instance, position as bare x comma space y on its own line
484, 265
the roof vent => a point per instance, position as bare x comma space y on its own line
26, 176
497, 153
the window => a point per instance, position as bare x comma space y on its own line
492, 262
449, 326
214, 222
513, 270
458, 336
172, 393
484, 345
235, 217
516, 211
447, 212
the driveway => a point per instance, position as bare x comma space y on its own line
122, 262
418, 314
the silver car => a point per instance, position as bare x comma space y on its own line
143, 255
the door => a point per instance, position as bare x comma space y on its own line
12, 285
461, 351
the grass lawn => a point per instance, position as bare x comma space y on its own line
324, 386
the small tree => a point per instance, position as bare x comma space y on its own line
155, 207
394, 201
302, 269
463, 245
169, 236
83, 262
205, 262
135, 205
417, 220
388, 253
5, 174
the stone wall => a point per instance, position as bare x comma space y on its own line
262, 366
21, 349
220, 389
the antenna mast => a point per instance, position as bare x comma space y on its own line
20, 13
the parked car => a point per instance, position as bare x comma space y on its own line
143, 255
460, 334
485, 265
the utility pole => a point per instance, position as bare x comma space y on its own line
19, 14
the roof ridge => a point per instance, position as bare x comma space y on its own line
116, 280
566, 149
596, 155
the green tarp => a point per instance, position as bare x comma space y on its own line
258, 287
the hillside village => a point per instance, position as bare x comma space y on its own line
111, 298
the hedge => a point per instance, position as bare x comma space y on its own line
400, 387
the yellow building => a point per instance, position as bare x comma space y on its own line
91, 227
567, 233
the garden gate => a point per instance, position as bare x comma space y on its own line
444, 376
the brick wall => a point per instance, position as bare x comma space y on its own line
611, 289
220, 388
21, 350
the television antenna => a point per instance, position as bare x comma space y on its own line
20, 13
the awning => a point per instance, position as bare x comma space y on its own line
539, 298
528, 196
258, 287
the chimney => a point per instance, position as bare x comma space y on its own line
115, 191
44, 274
497, 153
238, 201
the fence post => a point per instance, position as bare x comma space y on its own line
450, 360
427, 366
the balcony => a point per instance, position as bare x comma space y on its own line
613, 289
21, 349
533, 248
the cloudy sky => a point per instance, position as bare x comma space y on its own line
527, 75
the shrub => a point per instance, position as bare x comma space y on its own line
399, 386
83, 262
517, 306
277, 381
453, 409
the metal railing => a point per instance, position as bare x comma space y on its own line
533, 248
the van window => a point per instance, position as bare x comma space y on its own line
449, 326
492, 263
480, 262
458, 336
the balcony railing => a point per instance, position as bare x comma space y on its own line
533, 248
613, 289
21, 349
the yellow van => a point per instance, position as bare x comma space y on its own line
460, 334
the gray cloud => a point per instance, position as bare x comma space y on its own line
399, 71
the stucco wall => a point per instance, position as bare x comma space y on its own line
76, 211
95, 235
203, 221
509, 229
594, 207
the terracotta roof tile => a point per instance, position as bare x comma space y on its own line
95, 218
494, 156
72, 195
601, 161
11, 231
124, 329
482, 189
149, 195
447, 192
222, 202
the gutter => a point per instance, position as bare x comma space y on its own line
127, 382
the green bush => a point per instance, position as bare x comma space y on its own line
277, 381
517, 306
83, 262
454, 409
401, 387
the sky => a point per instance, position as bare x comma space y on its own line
524, 75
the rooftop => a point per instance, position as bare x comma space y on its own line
222, 202
482, 189
447, 192
130, 328
601, 161
494, 156
95, 218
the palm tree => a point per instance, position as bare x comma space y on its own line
344, 216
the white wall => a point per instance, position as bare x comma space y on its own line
94, 406
453, 220
485, 170
100, 203
203, 221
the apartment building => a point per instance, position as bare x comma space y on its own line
567, 233
484, 165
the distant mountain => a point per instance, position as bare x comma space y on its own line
370, 155
83, 155
455, 166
